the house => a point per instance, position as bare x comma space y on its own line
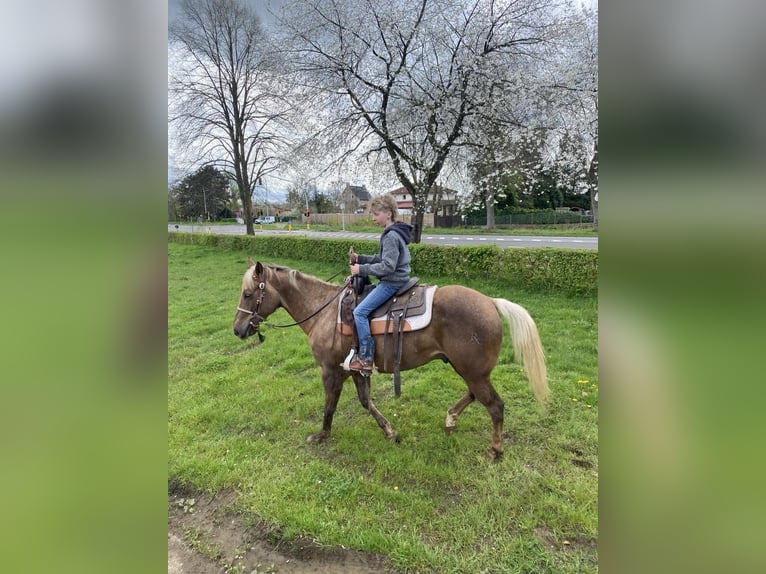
441, 200
355, 198
403, 200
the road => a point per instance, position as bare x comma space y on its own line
502, 241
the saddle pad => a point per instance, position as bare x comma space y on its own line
378, 324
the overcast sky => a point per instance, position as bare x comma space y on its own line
261, 7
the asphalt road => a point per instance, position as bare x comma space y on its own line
440, 239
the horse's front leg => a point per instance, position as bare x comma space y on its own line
332, 379
363, 390
450, 423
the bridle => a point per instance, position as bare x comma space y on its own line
254, 314
262, 320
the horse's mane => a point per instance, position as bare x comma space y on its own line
294, 276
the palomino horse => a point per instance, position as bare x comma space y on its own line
466, 331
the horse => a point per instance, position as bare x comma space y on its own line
466, 331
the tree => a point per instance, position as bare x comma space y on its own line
296, 199
541, 140
405, 79
205, 193
572, 88
322, 202
507, 169
224, 89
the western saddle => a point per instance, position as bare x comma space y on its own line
390, 319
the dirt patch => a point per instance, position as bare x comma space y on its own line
206, 535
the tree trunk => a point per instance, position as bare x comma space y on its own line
593, 186
417, 223
247, 212
490, 211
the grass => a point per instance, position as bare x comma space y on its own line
239, 415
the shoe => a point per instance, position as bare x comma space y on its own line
358, 364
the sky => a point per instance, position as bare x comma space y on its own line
261, 7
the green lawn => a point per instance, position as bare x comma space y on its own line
239, 415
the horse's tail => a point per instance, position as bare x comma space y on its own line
527, 347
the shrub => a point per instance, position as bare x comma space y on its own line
570, 271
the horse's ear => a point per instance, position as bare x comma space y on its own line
258, 269
250, 262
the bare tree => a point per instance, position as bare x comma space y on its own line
223, 91
405, 78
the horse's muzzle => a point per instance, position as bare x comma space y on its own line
244, 330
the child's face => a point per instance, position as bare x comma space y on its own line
381, 217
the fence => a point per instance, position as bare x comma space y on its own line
536, 218
351, 218
441, 221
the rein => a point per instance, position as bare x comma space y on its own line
263, 321
314, 314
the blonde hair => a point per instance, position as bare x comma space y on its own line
385, 202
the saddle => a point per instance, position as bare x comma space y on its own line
409, 309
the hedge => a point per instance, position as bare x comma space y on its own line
570, 271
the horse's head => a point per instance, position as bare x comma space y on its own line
258, 299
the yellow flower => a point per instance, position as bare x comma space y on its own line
396, 488
583, 381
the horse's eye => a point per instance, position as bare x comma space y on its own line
248, 294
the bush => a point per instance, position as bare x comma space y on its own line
455, 261
570, 271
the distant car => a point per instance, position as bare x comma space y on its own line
266, 219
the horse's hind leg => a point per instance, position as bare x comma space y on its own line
450, 423
485, 393
363, 390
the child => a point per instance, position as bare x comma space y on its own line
391, 265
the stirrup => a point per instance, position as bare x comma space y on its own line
347, 361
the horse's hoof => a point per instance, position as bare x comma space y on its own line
393, 437
495, 455
317, 437
449, 430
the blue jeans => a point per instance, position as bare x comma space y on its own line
378, 296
